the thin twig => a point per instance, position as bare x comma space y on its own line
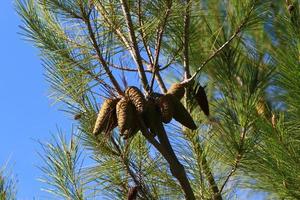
166, 150
86, 19
237, 159
127, 167
171, 60
95, 77
159, 80
99, 7
158, 44
202, 161
125, 68
236, 163
215, 53
136, 52
186, 41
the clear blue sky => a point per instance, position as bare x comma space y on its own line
26, 114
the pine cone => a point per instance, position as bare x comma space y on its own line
291, 8
107, 119
152, 116
131, 131
132, 193
260, 107
263, 109
77, 116
201, 98
166, 108
136, 97
126, 117
177, 89
181, 115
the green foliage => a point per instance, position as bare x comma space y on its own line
63, 170
8, 184
276, 163
246, 52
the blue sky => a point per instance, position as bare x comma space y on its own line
26, 112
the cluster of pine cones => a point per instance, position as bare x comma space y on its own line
125, 112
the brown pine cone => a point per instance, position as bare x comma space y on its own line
152, 115
136, 97
107, 119
132, 193
177, 89
126, 118
201, 98
181, 115
166, 107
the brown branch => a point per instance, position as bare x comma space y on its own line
125, 162
176, 167
186, 63
99, 6
94, 76
211, 180
215, 53
158, 44
136, 53
123, 39
237, 158
233, 170
141, 31
204, 165
159, 80
86, 19
166, 150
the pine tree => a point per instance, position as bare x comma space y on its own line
237, 63
8, 183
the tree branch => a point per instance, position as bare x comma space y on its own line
136, 51
215, 53
125, 41
158, 44
237, 158
166, 150
148, 51
186, 63
99, 54
125, 162
201, 160
114, 27
143, 36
